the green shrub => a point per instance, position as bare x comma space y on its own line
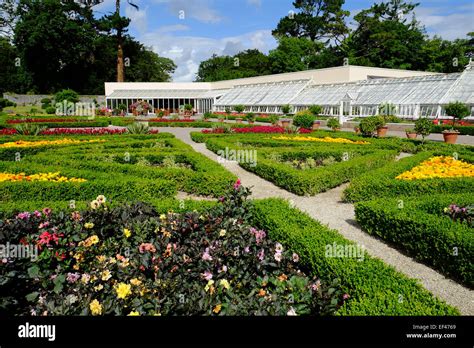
66, 95
316, 110
250, 117
374, 287
138, 128
428, 236
239, 108
304, 119
423, 127
369, 125
274, 119
333, 123
457, 110
50, 110
30, 129
286, 109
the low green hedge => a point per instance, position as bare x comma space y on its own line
416, 226
374, 288
463, 130
382, 182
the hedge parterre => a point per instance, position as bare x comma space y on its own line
420, 226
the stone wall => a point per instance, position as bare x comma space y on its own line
26, 99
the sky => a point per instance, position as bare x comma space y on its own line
190, 31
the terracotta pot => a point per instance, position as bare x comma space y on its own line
221, 120
450, 137
285, 123
238, 120
251, 122
411, 135
382, 131
357, 130
337, 129
316, 125
187, 117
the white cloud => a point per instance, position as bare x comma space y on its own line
196, 9
139, 20
453, 24
256, 3
189, 51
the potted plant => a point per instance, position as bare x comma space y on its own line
274, 120
206, 116
423, 127
411, 133
382, 128
316, 125
456, 110
250, 118
334, 124
357, 130
188, 111
140, 108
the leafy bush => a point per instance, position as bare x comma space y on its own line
286, 109
50, 110
457, 110
239, 108
304, 119
427, 235
316, 110
188, 107
333, 123
107, 262
423, 127
369, 125
30, 129
66, 95
250, 117
374, 287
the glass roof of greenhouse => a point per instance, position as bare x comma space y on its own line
165, 93
431, 89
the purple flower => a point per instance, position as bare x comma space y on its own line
206, 256
296, 257
37, 213
315, 286
247, 249
345, 297
43, 225
223, 269
221, 199
207, 275
237, 184
46, 211
261, 254
73, 277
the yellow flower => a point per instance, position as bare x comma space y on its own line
209, 284
322, 140
89, 225
101, 258
101, 199
106, 275
224, 283
217, 308
51, 177
127, 232
66, 141
95, 204
222, 233
98, 287
123, 290
134, 314
135, 281
439, 167
95, 307
162, 217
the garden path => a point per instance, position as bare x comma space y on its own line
327, 208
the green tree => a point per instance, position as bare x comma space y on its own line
294, 54
316, 20
385, 37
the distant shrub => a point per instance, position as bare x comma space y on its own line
304, 119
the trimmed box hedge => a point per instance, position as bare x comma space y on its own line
417, 226
374, 287
382, 182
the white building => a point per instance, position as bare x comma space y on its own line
341, 91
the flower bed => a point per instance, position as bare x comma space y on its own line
419, 226
439, 167
51, 177
40, 143
323, 140
383, 183
130, 260
165, 120
254, 129
47, 120
88, 131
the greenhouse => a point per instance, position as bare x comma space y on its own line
411, 97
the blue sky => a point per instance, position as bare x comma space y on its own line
189, 31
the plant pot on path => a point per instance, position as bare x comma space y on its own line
316, 125
238, 120
382, 131
450, 136
285, 123
411, 135
187, 117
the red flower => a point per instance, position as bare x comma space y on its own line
237, 184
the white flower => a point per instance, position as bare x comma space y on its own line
278, 256
278, 247
95, 204
291, 312
101, 199
222, 233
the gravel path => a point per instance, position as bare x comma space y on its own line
328, 209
